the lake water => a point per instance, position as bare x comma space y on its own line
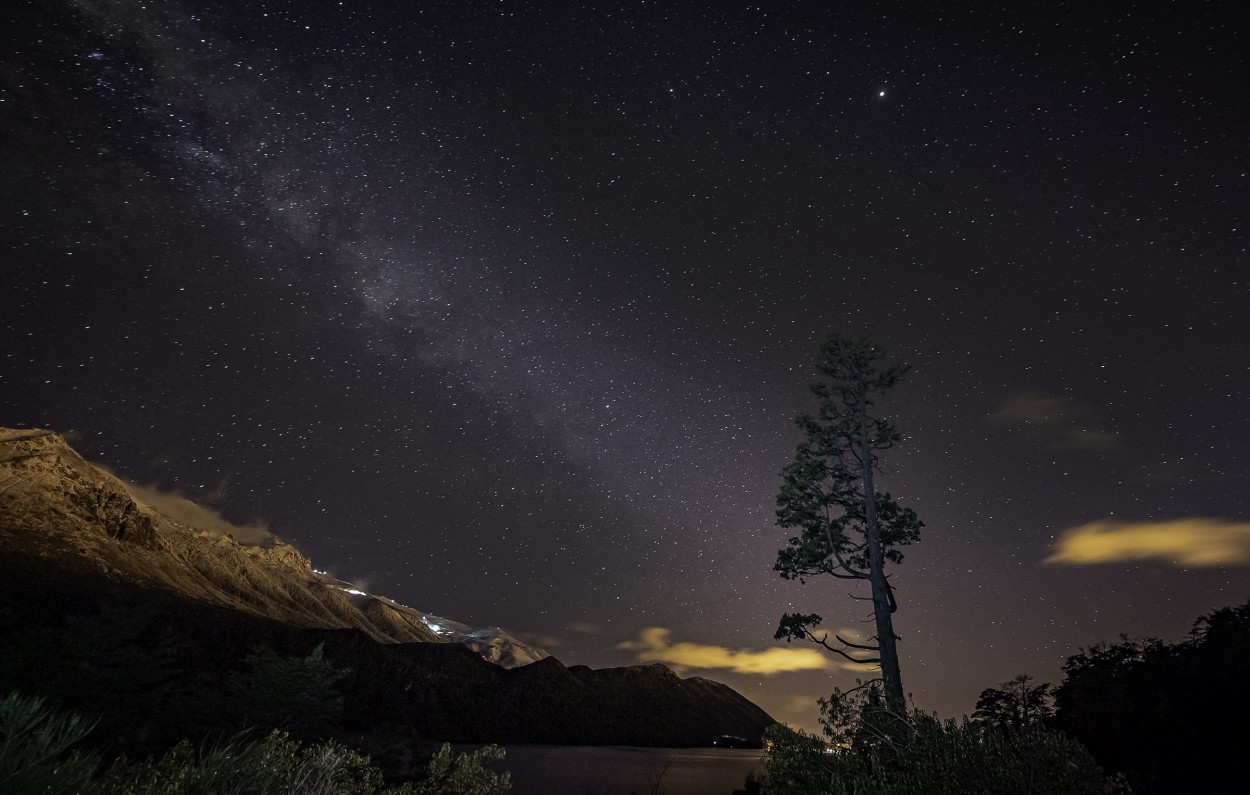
611, 770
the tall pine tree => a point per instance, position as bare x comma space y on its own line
848, 529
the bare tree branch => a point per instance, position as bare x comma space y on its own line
835, 650
846, 642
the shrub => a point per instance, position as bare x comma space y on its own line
917, 753
273, 766
36, 757
462, 774
280, 766
35, 743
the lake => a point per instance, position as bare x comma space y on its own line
614, 770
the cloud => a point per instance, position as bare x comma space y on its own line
1057, 423
180, 509
653, 646
1192, 541
539, 639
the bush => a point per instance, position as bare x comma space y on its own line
35, 753
280, 766
273, 766
462, 774
886, 753
36, 757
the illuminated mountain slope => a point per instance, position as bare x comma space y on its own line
55, 505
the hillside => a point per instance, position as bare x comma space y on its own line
55, 505
107, 595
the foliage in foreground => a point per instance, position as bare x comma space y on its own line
280, 765
882, 752
35, 744
36, 756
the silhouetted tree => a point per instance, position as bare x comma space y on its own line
848, 529
295, 694
1015, 704
1170, 716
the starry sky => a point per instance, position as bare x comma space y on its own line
504, 309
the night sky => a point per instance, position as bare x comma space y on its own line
504, 309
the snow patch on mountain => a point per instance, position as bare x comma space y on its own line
492, 643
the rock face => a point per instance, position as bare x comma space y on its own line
57, 505
76, 546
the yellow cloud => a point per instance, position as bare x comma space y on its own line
653, 646
1193, 541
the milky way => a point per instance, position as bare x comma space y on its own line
504, 309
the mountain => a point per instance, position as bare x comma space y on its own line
57, 505
108, 580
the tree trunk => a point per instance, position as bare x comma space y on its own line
891, 674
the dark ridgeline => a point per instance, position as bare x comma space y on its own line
447, 691
120, 613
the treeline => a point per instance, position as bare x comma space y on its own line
1140, 716
123, 702
1171, 717
144, 680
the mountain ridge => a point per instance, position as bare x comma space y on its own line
142, 543
76, 542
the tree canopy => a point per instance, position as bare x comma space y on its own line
1170, 716
1015, 704
847, 529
